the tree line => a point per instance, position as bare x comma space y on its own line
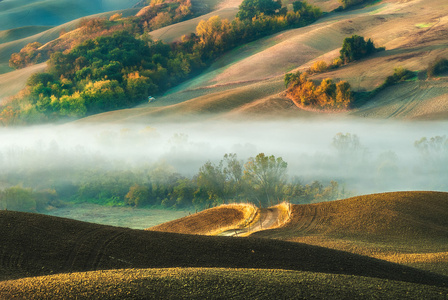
261, 180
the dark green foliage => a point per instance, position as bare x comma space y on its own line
18, 198
355, 47
349, 3
254, 8
438, 67
400, 74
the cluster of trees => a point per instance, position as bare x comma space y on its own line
28, 55
327, 95
161, 13
25, 199
103, 74
255, 19
157, 14
261, 180
356, 47
120, 70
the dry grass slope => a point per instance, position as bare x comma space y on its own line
210, 221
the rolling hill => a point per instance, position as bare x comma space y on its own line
33, 244
404, 227
200, 283
248, 81
413, 33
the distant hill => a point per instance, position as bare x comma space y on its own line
20, 13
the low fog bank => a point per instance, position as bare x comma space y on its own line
363, 156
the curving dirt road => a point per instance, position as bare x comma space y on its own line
269, 217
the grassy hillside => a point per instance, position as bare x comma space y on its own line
21, 13
33, 244
20, 33
188, 283
11, 83
412, 39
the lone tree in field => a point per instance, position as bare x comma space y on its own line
252, 8
266, 177
355, 47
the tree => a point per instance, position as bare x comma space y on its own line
266, 178
211, 179
18, 199
138, 195
253, 8
438, 67
348, 3
355, 47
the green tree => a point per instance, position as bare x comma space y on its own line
253, 8
138, 196
355, 47
18, 199
265, 177
348, 3
438, 67
212, 180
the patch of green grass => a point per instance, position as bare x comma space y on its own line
424, 25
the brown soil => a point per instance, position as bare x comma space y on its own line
33, 244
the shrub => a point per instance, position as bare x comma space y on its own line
400, 74
438, 67
319, 67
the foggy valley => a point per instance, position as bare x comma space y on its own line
365, 156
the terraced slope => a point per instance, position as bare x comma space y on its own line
33, 244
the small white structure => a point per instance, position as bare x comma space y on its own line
151, 99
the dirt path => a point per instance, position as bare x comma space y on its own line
269, 217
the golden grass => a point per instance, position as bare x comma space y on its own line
211, 221
12, 82
200, 283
